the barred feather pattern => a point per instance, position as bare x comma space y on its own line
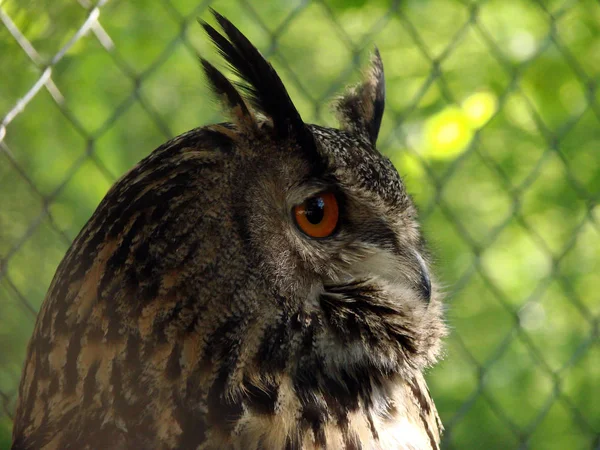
191, 313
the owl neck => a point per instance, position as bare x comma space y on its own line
382, 414
307, 396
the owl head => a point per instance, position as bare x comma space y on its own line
256, 267
327, 219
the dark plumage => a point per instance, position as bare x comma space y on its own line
193, 310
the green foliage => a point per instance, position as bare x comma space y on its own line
493, 118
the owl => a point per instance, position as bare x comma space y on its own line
255, 284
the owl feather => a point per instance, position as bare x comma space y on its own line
256, 284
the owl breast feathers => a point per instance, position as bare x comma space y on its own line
258, 284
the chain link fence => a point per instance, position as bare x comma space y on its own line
493, 118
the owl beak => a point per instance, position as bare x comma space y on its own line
425, 280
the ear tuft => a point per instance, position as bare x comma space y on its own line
230, 97
260, 84
360, 109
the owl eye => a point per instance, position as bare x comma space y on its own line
318, 216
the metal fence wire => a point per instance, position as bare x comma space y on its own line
492, 117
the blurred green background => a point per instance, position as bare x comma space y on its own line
492, 117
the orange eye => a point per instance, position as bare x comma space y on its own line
318, 216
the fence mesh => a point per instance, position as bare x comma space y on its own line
493, 118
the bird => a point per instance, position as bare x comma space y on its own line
261, 283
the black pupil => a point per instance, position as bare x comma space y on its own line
315, 210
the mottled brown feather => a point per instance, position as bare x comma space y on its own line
190, 311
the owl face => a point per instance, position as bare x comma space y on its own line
340, 242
